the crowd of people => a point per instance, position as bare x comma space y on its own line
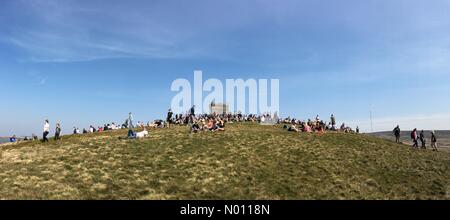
190, 118
418, 137
316, 125
217, 122
209, 122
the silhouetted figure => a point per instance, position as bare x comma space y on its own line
397, 134
422, 140
57, 132
192, 111
192, 114
433, 141
414, 138
333, 120
169, 117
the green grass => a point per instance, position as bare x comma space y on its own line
247, 161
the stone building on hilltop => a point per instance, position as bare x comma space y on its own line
218, 108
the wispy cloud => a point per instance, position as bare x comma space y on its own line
65, 32
37, 77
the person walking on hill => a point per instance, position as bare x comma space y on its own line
414, 138
422, 140
46, 131
57, 132
397, 134
433, 141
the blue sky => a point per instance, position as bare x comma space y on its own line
88, 62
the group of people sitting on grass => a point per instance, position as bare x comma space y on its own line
203, 122
316, 125
211, 123
185, 119
93, 129
418, 137
14, 139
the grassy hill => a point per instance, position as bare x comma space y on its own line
248, 161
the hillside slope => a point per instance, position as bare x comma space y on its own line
247, 161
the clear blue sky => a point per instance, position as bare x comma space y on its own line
92, 62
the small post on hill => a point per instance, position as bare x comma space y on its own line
371, 120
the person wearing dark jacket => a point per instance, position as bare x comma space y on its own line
433, 141
333, 120
57, 132
13, 139
169, 118
397, 134
422, 140
192, 115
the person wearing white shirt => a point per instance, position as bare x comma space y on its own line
46, 131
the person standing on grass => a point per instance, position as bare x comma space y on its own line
414, 138
192, 114
169, 117
333, 120
46, 131
397, 134
433, 141
422, 140
57, 132
130, 120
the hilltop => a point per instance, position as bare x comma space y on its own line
248, 161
